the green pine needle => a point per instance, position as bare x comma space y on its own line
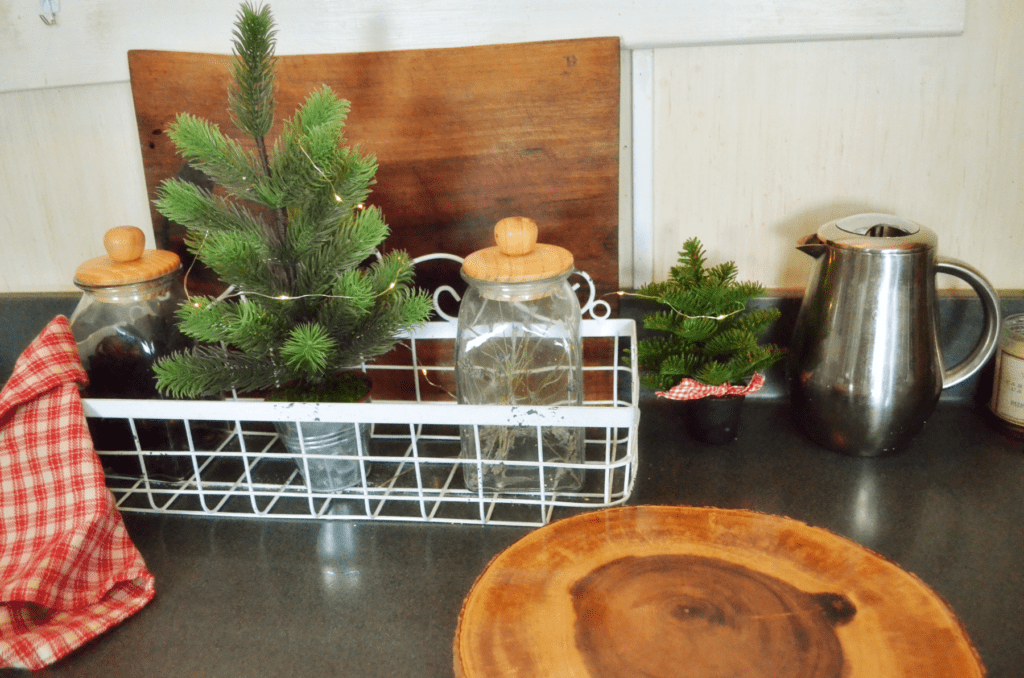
221, 158
202, 213
707, 331
308, 350
202, 319
251, 99
204, 371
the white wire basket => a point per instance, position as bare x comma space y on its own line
225, 458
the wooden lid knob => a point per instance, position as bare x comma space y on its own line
124, 243
127, 261
515, 235
518, 257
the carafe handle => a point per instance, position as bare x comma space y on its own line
986, 345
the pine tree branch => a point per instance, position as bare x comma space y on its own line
309, 350
251, 97
254, 71
201, 212
210, 371
221, 158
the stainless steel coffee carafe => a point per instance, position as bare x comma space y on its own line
865, 365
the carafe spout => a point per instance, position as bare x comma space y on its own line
811, 245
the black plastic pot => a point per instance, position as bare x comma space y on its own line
714, 420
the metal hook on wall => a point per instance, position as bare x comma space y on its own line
49, 7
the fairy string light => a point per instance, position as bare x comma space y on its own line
227, 294
334, 189
188, 271
723, 316
287, 297
439, 387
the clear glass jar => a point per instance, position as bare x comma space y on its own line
518, 344
123, 323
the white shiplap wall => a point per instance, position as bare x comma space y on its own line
88, 42
70, 164
757, 145
70, 168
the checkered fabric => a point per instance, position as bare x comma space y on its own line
688, 389
68, 570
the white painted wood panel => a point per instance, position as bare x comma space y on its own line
70, 168
642, 222
754, 145
758, 145
90, 38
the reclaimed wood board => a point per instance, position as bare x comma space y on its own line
663, 591
463, 138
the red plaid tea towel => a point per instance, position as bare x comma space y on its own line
68, 570
688, 389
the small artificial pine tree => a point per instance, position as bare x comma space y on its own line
292, 239
707, 334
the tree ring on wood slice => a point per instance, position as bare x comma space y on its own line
665, 615
702, 592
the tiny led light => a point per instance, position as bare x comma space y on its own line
722, 316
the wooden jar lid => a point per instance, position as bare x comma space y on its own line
671, 591
518, 257
127, 261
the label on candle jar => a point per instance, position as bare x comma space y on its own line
1008, 397
1008, 387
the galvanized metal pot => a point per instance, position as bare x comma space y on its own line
865, 366
327, 453
327, 438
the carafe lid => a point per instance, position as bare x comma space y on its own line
126, 262
518, 257
877, 232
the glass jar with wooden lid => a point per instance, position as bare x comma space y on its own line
518, 344
123, 323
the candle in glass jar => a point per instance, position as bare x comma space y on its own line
1008, 386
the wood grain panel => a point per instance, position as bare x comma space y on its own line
463, 137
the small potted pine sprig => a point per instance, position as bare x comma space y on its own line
705, 344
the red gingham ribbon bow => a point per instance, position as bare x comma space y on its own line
68, 570
689, 389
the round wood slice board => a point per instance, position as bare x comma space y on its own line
702, 592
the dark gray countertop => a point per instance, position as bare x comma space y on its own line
240, 597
